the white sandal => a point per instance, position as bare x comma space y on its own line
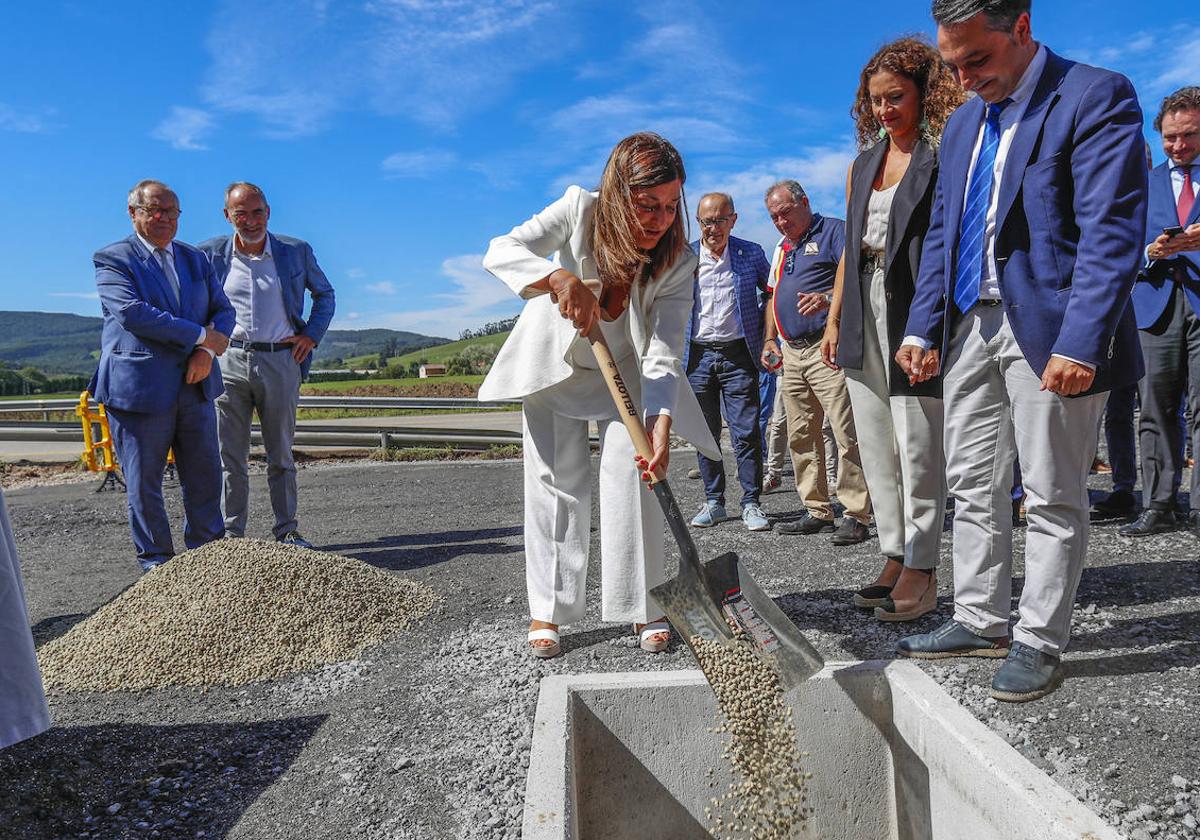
646, 637
544, 651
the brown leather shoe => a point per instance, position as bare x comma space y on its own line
910, 609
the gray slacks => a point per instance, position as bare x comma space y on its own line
1171, 349
269, 383
995, 408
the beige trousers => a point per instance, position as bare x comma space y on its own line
811, 392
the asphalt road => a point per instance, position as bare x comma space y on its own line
426, 736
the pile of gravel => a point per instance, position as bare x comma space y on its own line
767, 799
233, 612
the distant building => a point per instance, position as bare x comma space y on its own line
427, 371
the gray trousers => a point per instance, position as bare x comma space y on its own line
268, 383
995, 408
1171, 349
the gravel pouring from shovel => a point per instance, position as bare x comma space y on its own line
709, 600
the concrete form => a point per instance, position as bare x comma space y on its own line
619, 756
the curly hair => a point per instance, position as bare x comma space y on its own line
1184, 99
640, 160
914, 58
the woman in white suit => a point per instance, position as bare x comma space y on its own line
622, 261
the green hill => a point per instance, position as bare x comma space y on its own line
57, 342
435, 355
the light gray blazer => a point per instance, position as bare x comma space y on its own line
535, 356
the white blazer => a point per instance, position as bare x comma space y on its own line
536, 355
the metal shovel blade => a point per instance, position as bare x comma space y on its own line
710, 600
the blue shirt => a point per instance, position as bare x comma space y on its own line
809, 266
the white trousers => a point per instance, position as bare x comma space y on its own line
558, 514
900, 441
994, 403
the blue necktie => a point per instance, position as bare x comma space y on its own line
971, 250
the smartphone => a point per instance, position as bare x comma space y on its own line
1173, 231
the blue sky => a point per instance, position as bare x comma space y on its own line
399, 136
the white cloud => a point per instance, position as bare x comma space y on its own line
427, 60
474, 298
81, 295
23, 122
421, 164
355, 273
184, 128
385, 287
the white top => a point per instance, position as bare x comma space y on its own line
1177, 177
583, 395
252, 286
1010, 118
879, 210
23, 709
715, 315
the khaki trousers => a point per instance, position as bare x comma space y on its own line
811, 392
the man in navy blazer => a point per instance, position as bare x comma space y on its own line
1166, 299
724, 340
1033, 244
270, 352
165, 317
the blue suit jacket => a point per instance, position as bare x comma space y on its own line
1152, 292
1070, 221
147, 337
298, 270
750, 270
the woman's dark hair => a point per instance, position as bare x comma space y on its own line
914, 58
641, 160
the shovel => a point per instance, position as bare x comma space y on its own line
710, 600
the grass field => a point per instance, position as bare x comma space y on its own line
397, 385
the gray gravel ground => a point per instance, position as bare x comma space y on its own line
428, 735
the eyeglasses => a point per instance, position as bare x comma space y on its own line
714, 221
242, 215
171, 213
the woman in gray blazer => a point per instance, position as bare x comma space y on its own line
621, 260
905, 96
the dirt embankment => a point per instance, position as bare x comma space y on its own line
419, 388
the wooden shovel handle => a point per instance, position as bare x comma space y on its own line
631, 416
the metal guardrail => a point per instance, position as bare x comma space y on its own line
306, 401
306, 435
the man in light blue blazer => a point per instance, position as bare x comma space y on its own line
723, 343
264, 277
1166, 299
165, 318
1023, 298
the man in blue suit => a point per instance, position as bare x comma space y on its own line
1166, 299
723, 344
1033, 244
270, 352
165, 317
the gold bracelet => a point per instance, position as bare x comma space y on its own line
837, 322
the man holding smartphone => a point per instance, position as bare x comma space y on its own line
1166, 300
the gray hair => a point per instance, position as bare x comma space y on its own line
135, 194
245, 185
726, 199
791, 186
1001, 14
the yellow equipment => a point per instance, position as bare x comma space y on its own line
98, 454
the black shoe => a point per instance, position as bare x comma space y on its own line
952, 639
807, 524
1150, 522
1119, 504
1026, 674
850, 532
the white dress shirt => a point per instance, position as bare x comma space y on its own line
170, 249
252, 286
715, 318
1177, 178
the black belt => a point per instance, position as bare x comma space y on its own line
989, 302
260, 346
810, 339
722, 346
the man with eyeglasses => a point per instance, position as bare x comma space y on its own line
721, 355
270, 352
802, 274
165, 318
